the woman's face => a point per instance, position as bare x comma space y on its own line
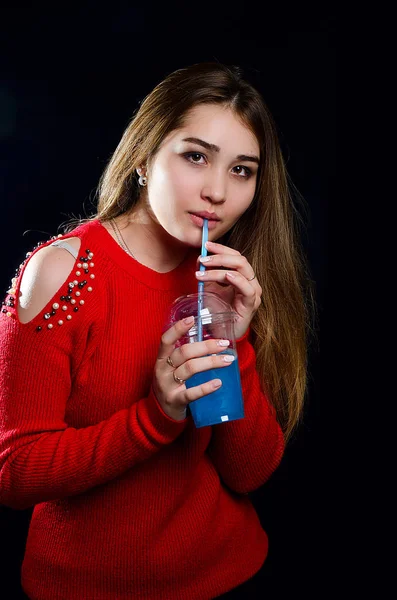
187, 177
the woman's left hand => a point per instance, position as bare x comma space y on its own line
234, 285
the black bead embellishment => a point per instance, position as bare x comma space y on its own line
39, 328
76, 308
52, 313
4, 310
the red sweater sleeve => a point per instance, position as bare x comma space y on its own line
41, 457
247, 451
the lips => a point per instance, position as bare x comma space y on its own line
207, 215
199, 221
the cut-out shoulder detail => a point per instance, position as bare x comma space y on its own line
46, 271
52, 285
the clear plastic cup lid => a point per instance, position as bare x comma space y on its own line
211, 306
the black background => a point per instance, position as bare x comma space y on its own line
70, 80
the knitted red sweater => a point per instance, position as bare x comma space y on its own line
128, 502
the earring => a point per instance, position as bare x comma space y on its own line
142, 179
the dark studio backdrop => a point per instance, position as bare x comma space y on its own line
70, 81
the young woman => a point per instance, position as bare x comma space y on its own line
130, 499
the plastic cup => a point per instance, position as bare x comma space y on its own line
213, 319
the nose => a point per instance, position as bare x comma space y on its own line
215, 189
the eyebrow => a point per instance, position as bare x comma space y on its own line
215, 148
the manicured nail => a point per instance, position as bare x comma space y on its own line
205, 258
230, 275
228, 358
216, 383
223, 343
200, 273
208, 244
188, 320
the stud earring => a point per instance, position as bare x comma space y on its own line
142, 179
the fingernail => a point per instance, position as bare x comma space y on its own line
223, 343
230, 275
216, 383
200, 273
205, 258
188, 320
208, 244
228, 358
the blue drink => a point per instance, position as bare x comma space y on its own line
223, 404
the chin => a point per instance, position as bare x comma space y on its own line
179, 238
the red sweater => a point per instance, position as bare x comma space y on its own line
128, 502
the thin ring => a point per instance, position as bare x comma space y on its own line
169, 361
251, 278
177, 379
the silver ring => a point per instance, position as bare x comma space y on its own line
251, 278
169, 361
177, 379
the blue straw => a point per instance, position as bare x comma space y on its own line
201, 283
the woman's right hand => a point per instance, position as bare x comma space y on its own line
188, 359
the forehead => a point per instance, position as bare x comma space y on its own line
217, 125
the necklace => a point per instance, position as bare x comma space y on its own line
120, 238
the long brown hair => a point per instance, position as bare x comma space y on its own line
267, 234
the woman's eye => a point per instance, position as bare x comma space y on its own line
248, 171
189, 155
192, 156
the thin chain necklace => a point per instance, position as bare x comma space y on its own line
120, 238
